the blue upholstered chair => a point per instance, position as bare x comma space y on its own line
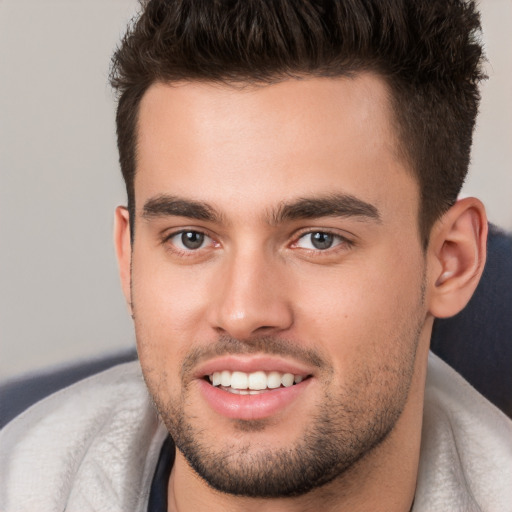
477, 343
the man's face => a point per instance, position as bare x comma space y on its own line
276, 241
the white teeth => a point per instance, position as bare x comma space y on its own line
274, 380
255, 382
239, 380
287, 380
225, 378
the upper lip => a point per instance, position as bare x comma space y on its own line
250, 364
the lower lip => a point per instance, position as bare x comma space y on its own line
250, 407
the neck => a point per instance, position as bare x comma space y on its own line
384, 479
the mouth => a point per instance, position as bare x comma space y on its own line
253, 387
254, 383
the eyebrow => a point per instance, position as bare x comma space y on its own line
165, 205
335, 205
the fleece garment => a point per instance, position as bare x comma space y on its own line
94, 446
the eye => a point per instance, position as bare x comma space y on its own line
189, 240
319, 240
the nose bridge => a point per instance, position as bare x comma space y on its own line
251, 296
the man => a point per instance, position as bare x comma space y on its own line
292, 230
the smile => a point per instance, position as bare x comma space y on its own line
253, 383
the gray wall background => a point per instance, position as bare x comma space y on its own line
60, 297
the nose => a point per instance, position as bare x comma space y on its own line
251, 296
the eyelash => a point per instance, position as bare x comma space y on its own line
185, 252
342, 244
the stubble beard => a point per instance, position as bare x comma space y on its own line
343, 429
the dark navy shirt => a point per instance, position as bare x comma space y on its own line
158, 493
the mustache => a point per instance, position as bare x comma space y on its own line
226, 345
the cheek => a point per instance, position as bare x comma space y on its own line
167, 295
168, 305
365, 314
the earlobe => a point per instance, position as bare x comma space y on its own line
123, 251
457, 253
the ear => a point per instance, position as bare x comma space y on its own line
123, 251
457, 253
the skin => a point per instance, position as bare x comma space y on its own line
364, 306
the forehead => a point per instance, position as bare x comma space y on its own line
259, 145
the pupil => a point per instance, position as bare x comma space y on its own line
192, 239
322, 240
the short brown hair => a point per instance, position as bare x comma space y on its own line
428, 52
